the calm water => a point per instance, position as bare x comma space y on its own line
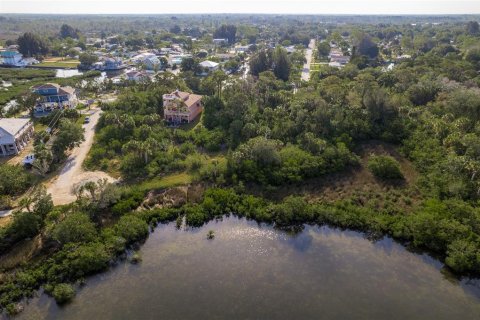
67, 73
256, 272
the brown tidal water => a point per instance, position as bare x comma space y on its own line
252, 271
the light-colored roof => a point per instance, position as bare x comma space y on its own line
67, 90
13, 125
188, 98
208, 64
47, 86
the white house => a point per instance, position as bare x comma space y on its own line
209, 66
136, 76
220, 41
13, 58
14, 135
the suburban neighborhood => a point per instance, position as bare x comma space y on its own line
258, 165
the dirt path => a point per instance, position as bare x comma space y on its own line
72, 173
308, 56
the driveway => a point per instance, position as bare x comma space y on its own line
72, 173
308, 56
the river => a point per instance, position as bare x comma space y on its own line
256, 272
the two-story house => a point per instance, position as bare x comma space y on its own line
181, 107
53, 95
14, 135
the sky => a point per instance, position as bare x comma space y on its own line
242, 6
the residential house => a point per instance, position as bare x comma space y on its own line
136, 76
337, 59
53, 96
149, 60
181, 107
13, 58
208, 66
14, 135
224, 56
220, 41
110, 64
177, 59
242, 49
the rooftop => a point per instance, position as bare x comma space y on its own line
13, 125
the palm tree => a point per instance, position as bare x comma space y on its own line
143, 148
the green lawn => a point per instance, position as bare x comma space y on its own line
59, 64
166, 182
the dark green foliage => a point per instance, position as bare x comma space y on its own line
269, 162
384, 167
63, 293
226, 32
473, 28
67, 31
323, 49
32, 45
15, 180
75, 227
69, 135
131, 228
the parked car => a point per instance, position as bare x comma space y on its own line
87, 120
28, 160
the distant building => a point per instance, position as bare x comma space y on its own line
209, 66
136, 76
110, 64
177, 59
53, 96
181, 107
220, 41
14, 135
149, 60
337, 58
242, 49
13, 58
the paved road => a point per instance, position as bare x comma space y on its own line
308, 56
72, 172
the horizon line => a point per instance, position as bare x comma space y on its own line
242, 13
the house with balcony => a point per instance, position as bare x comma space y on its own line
14, 135
54, 96
181, 107
13, 58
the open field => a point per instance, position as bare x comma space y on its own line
58, 63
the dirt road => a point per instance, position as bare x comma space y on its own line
72, 172
308, 56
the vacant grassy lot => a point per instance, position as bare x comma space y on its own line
59, 63
9, 74
166, 182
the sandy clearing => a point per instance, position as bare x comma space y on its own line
72, 172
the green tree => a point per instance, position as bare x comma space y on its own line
69, 136
385, 167
32, 45
323, 49
281, 64
63, 293
75, 227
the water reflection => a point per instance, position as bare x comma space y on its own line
67, 73
255, 271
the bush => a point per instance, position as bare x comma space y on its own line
76, 227
63, 293
14, 180
131, 228
385, 167
84, 259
